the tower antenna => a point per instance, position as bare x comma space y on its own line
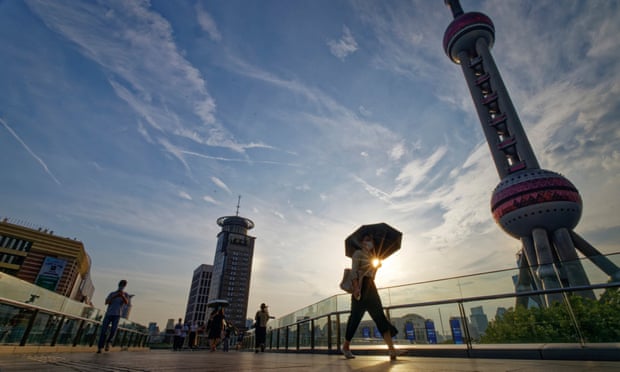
238, 202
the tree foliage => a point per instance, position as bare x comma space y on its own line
597, 321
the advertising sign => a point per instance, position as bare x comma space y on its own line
457, 334
366, 332
50, 273
409, 332
430, 331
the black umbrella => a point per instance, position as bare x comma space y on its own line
217, 303
387, 239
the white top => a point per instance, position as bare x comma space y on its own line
362, 265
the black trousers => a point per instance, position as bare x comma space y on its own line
261, 336
370, 302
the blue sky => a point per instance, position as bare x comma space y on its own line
133, 125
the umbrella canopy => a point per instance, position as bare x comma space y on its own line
217, 303
387, 239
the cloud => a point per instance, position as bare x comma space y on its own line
413, 173
219, 183
27, 148
136, 48
207, 23
344, 46
185, 195
209, 199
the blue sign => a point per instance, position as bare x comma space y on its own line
457, 334
366, 332
377, 333
409, 332
430, 331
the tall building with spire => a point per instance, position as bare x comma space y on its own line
232, 267
537, 206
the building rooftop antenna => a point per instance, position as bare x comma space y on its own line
238, 202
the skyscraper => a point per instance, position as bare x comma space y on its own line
232, 267
537, 206
198, 295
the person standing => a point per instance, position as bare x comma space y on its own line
365, 297
177, 343
115, 301
261, 319
193, 334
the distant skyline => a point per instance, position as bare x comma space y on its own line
133, 125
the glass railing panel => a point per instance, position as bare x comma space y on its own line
426, 325
518, 324
43, 329
282, 338
8, 321
321, 332
292, 338
88, 334
15, 326
598, 319
366, 333
305, 335
68, 331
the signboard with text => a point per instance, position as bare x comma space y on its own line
50, 273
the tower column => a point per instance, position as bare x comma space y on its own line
546, 271
570, 262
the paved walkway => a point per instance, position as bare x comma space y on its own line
165, 360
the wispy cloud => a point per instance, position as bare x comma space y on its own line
185, 195
27, 148
207, 23
219, 183
344, 46
141, 58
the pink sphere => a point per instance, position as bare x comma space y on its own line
535, 198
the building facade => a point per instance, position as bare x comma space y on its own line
232, 267
38, 256
196, 310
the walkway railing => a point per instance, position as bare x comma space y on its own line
434, 318
38, 317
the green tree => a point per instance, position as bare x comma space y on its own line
597, 320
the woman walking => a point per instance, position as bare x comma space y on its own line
366, 298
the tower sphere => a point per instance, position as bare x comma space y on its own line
463, 32
535, 198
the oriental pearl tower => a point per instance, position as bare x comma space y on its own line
537, 206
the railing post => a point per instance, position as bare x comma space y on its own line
465, 327
573, 319
338, 335
57, 332
312, 335
297, 336
28, 328
329, 333
78, 334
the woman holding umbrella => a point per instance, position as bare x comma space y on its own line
216, 326
366, 298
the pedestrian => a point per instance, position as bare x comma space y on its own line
193, 334
227, 333
260, 320
217, 320
115, 301
178, 333
366, 298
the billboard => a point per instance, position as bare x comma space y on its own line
50, 273
431, 335
455, 327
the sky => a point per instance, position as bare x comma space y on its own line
133, 125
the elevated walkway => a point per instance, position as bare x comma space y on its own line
166, 360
